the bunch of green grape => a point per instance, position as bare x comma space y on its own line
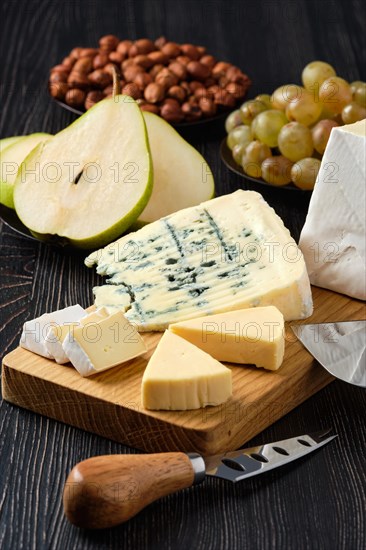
282, 137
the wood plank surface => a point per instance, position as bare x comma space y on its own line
109, 403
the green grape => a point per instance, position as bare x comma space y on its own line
321, 133
238, 152
266, 99
305, 172
304, 109
250, 109
267, 126
239, 134
359, 94
283, 95
335, 93
233, 120
355, 84
277, 170
353, 112
255, 153
295, 141
314, 74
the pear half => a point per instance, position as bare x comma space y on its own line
13, 152
91, 181
182, 177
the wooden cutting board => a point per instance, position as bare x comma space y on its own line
109, 403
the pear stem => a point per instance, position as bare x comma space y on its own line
116, 82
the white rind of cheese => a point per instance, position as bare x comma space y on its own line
253, 336
228, 253
56, 334
35, 332
99, 345
333, 239
180, 376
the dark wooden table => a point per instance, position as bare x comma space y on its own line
316, 503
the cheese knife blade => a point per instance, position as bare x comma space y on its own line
339, 347
105, 491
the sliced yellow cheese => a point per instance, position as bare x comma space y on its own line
180, 376
251, 336
103, 343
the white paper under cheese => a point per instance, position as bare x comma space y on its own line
228, 253
34, 335
333, 239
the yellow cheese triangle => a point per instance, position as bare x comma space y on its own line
247, 336
180, 376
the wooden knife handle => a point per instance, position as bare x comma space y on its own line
107, 490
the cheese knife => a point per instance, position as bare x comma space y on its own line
104, 491
339, 347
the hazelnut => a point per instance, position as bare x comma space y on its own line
158, 58
178, 69
237, 90
100, 60
223, 80
132, 90
209, 82
213, 89
92, 98
83, 65
116, 57
68, 62
88, 52
171, 49
207, 106
190, 51
159, 42
110, 68
108, 91
185, 87
127, 63
124, 46
154, 92
142, 80
224, 99
144, 61
131, 72
150, 108
58, 89
201, 50
191, 112
208, 60
195, 85
75, 97
197, 70
56, 76
155, 70
183, 59
133, 51
108, 42
220, 68
172, 112
100, 78
201, 92
78, 80
144, 46
166, 78
75, 53
60, 69
178, 93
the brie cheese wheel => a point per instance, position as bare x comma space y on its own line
35, 332
102, 344
333, 239
57, 334
250, 336
180, 376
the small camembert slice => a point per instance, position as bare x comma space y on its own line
249, 336
101, 344
35, 332
57, 333
180, 376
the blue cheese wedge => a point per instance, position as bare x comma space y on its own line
254, 336
229, 253
35, 332
180, 376
103, 343
56, 334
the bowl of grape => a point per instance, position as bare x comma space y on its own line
279, 139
